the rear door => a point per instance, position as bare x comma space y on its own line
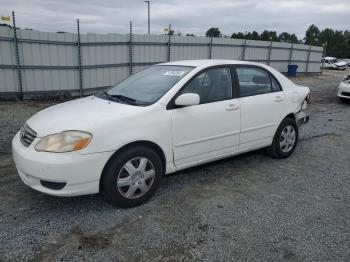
211, 128
262, 106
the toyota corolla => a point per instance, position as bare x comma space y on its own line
344, 89
165, 118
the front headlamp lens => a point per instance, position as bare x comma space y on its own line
65, 141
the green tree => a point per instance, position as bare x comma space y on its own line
294, 39
338, 49
269, 36
238, 35
312, 35
213, 32
288, 38
253, 35
347, 44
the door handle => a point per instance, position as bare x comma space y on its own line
278, 99
232, 107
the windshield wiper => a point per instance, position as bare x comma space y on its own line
120, 98
123, 98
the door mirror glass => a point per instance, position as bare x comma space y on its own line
188, 99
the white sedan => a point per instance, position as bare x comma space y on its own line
344, 88
168, 117
334, 63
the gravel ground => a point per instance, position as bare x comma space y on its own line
249, 207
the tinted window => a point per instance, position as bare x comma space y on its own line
253, 81
148, 85
212, 85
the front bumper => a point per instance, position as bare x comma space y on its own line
76, 174
302, 118
344, 90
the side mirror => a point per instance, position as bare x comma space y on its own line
189, 99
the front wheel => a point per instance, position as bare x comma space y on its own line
285, 139
132, 177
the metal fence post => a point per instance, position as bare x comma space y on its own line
210, 47
323, 56
169, 43
79, 62
308, 60
130, 49
19, 72
244, 47
291, 54
269, 55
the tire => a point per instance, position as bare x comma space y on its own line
125, 183
343, 100
284, 143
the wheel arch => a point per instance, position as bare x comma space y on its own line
146, 143
291, 116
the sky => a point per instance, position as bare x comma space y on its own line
187, 17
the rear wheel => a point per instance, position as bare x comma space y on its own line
285, 139
343, 100
132, 177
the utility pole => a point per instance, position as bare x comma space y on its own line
19, 72
79, 61
323, 56
149, 21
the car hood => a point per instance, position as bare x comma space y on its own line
83, 114
341, 63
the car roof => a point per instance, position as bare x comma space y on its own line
209, 62
330, 57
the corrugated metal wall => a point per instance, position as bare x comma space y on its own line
49, 62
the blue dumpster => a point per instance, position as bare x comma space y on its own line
292, 70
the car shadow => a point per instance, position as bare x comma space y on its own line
38, 202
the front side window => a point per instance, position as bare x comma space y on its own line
148, 85
255, 81
212, 85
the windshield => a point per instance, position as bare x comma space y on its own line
335, 60
148, 85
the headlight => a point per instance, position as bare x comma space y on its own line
65, 141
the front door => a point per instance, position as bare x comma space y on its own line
211, 128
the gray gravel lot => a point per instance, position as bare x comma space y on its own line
249, 207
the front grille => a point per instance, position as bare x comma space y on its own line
27, 135
345, 94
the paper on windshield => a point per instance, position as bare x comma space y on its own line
174, 73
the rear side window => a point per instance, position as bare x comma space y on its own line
275, 85
253, 81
